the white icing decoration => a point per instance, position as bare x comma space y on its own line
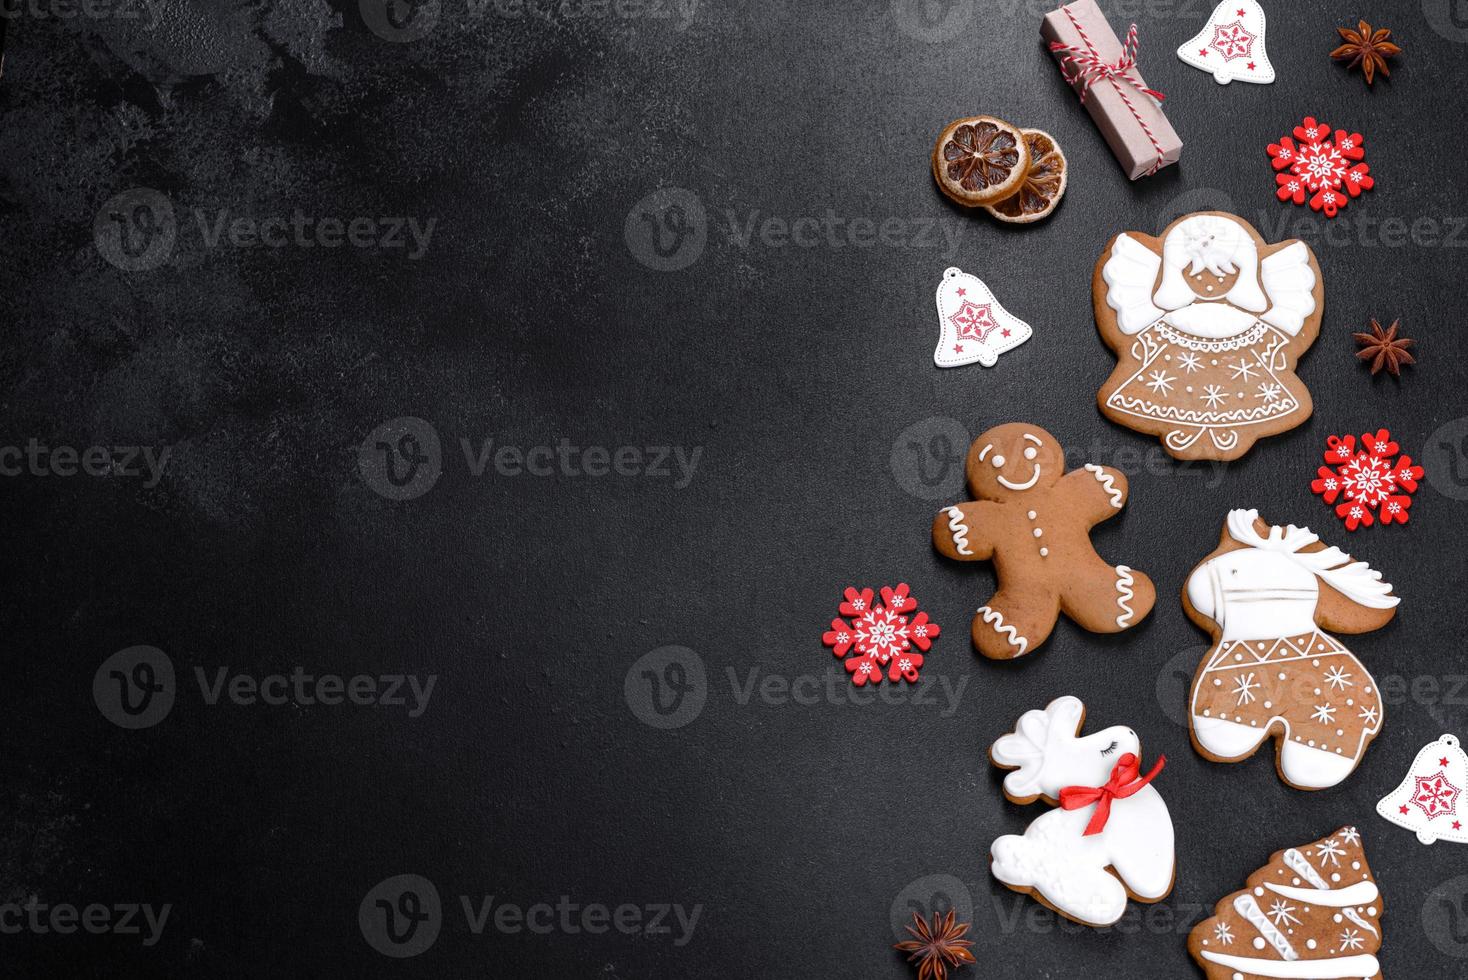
1108, 483
1290, 281
1124, 582
994, 619
959, 530
1223, 247
1254, 915
1034, 478
1053, 856
1266, 306
1302, 867
1337, 968
1279, 291
1211, 320
1129, 275
1239, 27
1268, 593
1359, 893
1355, 917
971, 323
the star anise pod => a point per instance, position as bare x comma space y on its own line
1384, 349
1366, 49
937, 947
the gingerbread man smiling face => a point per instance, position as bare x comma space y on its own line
1012, 459
1034, 520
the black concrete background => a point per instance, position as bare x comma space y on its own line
539, 312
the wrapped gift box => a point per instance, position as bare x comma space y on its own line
1092, 58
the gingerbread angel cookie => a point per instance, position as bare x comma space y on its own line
1207, 324
1111, 836
1313, 911
1267, 595
1034, 520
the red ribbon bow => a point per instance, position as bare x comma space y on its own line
1086, 66
1126, 779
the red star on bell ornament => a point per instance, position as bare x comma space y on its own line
1404, 808
1443, 761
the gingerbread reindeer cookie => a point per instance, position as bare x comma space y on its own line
1034, 520
1207, 323
1267, 595
1110, 837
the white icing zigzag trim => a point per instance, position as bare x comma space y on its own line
959, 531
997, 621
1107, 481
1300, 866
1254, 915
1124, 583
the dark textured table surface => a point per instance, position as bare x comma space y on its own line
255, 242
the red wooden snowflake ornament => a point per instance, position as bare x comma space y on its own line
881, 635
1372, 483
1320, 165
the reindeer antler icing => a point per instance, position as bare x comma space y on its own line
1356, 580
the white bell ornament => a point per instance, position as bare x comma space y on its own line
1231, 45
972, 324
1431, 800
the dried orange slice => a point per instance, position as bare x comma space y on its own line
980, 160
1043, 185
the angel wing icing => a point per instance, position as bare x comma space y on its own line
1130, 275
1289, 281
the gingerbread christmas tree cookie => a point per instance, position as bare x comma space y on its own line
1311, 912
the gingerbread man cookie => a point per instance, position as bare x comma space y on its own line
1207, 323
1034, 520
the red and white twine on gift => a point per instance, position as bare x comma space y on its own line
1087, 68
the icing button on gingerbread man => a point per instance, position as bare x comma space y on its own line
1034, 520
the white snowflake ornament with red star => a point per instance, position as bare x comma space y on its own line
972, 325
1431, 800
881, 639
1231, 45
